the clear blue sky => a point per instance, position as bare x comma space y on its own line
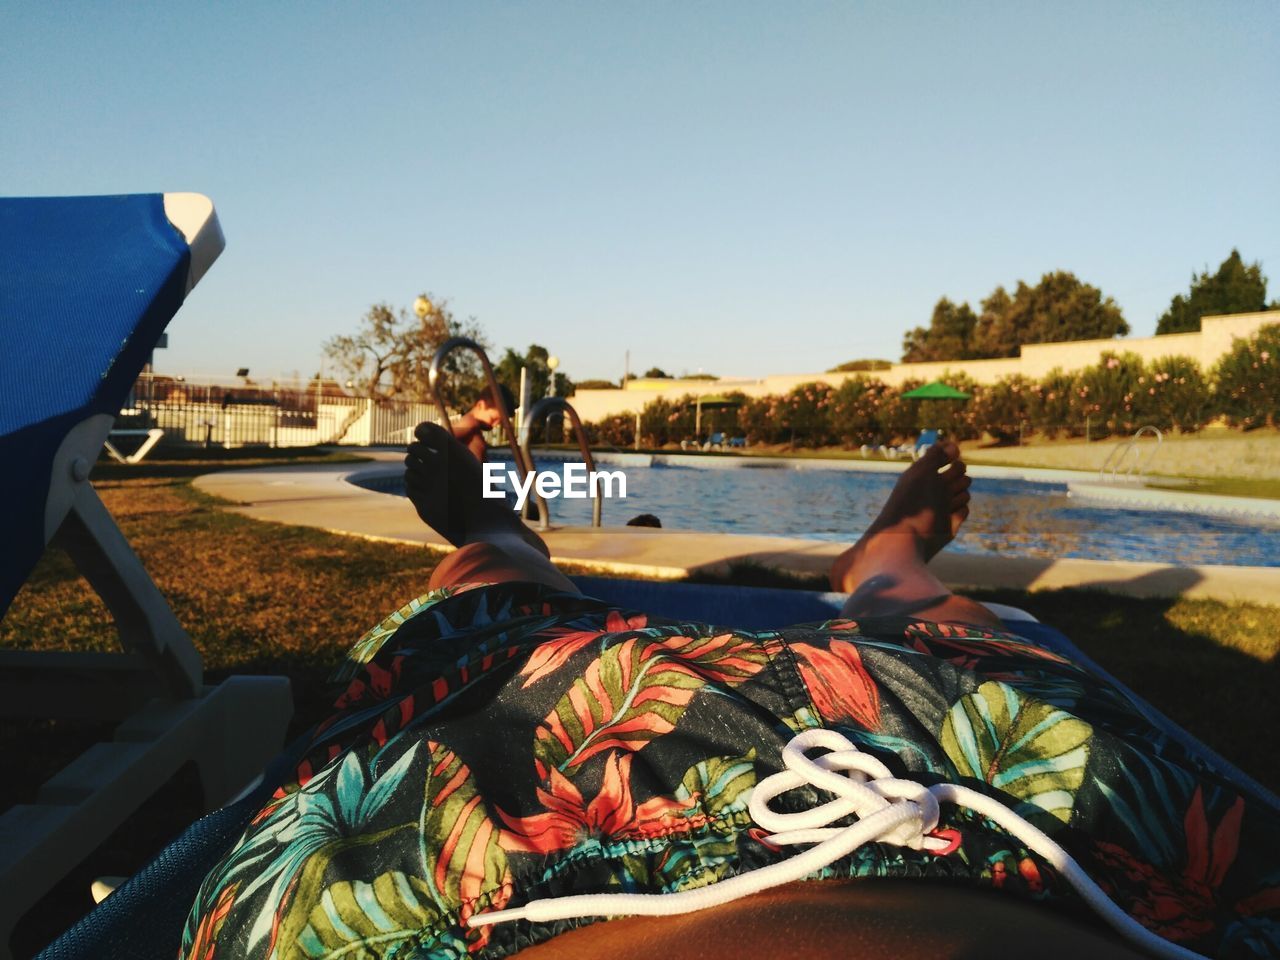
744, 188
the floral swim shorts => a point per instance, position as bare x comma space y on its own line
497, 744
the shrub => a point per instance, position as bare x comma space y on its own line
1175, 394
806, 415
856, 411
1248, 380
899, 418
1107, 393
1003, 408
1056, 405
760, 421
666, 421
615, 430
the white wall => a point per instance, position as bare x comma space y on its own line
1037, 359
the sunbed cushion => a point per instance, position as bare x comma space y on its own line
87, 285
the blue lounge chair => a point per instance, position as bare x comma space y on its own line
926, 440
87, 285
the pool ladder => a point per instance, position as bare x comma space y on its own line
1125, 459
519, 443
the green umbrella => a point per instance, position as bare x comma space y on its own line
711, 402
936, 391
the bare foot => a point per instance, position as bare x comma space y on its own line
444, 483
926, 509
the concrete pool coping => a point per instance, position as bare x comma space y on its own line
322, 497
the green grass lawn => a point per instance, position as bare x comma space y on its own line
268, 598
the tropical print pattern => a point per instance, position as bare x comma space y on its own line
504, 743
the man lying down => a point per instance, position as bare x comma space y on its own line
515, 769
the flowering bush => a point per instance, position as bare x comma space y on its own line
806, 415
1248, 380
899, 418
1118, 395
667, 421
1175, 395
760, 420
1056, 404
857, 408
1107, 393
615, 430
1003, 408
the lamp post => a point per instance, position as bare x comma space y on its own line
423, 306
552, 363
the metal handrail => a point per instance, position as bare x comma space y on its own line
523, 467
1125, 448
542, 408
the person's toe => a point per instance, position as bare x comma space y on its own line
432, 434
933, 459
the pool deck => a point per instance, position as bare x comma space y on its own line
321, 496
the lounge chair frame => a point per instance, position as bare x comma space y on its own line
169, 715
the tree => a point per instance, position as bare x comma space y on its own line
949, 335
1235, 288
389, 356
861, 366
534, 361
1057, 309
656, 373
595, 385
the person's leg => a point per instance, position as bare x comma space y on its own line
443, 481
886, 572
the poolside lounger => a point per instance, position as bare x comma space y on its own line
152, 437
926, 440
86, 287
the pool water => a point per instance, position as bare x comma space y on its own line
1009, 517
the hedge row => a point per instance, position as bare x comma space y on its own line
1117, 396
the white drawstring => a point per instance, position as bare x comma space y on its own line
889, 810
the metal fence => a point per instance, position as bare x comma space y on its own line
276, 415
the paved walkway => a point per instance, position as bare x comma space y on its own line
1147, 498
320, 496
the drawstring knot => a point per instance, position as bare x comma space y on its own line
863, 787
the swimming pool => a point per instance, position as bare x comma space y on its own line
1009, 517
